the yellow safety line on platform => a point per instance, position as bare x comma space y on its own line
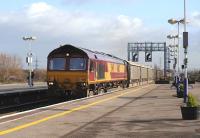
60, 114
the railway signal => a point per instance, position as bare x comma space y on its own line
148, 56
135, 57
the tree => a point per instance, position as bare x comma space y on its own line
10, 68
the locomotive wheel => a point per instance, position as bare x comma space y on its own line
89, 93
100, 91
95, 92
86, 93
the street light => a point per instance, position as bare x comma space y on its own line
174, 46
29, 58
29, 38
174, 21
185, 45
173, 49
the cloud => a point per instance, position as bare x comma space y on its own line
80, 2
39, 9
53, 27
195, 19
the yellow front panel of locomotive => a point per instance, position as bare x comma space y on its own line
67, 79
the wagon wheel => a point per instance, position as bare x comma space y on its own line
124, 85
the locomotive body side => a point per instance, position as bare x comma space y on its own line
106, 72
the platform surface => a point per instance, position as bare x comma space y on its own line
149, 111
20, 86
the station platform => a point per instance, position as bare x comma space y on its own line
14, 88
148, 111
21, 85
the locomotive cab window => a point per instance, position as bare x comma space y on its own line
57, 64
77, 64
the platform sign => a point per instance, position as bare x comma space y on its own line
29, 60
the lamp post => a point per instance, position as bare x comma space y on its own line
175, 51
185, 46
174, 44
29, 58
173, 55
172, 47
174, 21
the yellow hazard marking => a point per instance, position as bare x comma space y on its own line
61, 114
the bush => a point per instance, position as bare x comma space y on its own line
11, 70
192, 101
40, 75
181, 86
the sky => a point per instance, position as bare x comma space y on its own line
100, 25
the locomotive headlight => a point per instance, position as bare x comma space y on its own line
67, 54
81, 84
50, 83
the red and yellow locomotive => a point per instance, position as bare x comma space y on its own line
81, 72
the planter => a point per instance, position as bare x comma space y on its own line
190, 113
162, 82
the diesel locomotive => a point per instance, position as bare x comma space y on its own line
80, 72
